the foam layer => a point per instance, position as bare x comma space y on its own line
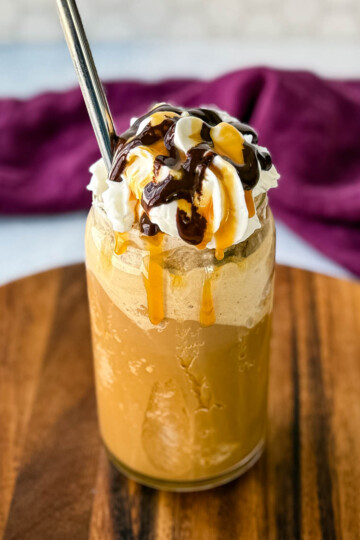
240, 285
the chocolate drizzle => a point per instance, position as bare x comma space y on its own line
147, 137
191, 228
187, 183
147, 226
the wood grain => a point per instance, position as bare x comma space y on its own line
56, 483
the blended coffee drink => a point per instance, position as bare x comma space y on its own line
180, 262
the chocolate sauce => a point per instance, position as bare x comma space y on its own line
147, 137
170, 189
264, 160
249, 172
147, 227
205, 133
191, 226
172, 160
131, 131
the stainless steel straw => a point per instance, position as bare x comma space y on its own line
91, 87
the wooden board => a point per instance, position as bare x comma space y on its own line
55, 481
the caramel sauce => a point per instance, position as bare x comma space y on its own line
219, 254
208, 213
225, 235
157, 148
157, 117
250, 203
228, 142
154, 281
121, 242
207, 311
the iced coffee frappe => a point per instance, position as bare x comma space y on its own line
180, 261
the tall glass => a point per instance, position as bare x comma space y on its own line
181, 350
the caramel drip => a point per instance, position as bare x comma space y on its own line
207, 311
219, 254
250, 203
208, 214
154, 280
121, 242
225, 235
228, 142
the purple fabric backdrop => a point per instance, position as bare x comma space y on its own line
310, 125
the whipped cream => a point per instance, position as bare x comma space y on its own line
193, 174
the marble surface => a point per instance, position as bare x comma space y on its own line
32, 244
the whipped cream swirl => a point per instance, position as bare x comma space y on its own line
189, 173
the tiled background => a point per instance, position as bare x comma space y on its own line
35, 20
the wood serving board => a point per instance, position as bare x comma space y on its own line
56, 483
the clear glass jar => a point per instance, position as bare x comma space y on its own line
181, 350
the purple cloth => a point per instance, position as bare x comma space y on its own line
310, 125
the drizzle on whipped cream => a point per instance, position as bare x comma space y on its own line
189, 173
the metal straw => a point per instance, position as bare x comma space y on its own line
91, 87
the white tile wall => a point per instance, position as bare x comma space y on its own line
36, 20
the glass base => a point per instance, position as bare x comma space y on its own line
191, 485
